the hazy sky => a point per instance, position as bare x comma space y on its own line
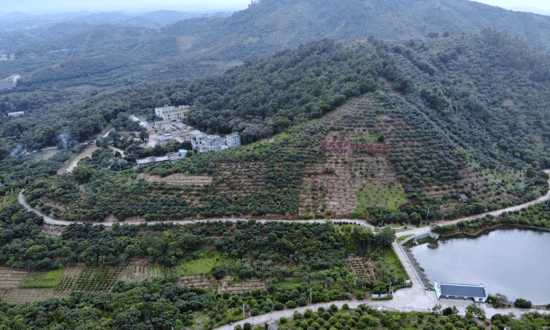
35, 6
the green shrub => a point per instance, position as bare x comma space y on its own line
522, 303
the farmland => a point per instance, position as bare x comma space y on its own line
368, 159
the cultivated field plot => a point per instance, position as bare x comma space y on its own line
11, 278
231, 285
98, 279
205, 282
363, 269
69, 278
42, 280
178, 179
357, 172
19, 296
139, 270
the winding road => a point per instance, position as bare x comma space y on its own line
409, 299
362, 223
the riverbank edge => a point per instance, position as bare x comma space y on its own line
488, 229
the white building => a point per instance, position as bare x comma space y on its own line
172, 113
233, 140
172, 157
16, 114
204, 143
164, 139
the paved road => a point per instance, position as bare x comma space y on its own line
410, 299
426, 230
362, 223
417, 305
51, 221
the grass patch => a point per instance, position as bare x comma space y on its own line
43, 280
389, 258
291, 283
201, 266
402, 238
389, 197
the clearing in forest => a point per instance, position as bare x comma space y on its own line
201, 266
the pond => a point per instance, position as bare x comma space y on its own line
513, 262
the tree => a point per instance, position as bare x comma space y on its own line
83, 173
385, 237
522, 303
476, 311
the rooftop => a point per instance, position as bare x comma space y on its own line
463, 290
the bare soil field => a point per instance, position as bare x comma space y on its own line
205, 282
19, 296
231, 285
74, 162
11, 278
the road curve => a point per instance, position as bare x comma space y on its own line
51, 221
426, 230
410, 299
362, 223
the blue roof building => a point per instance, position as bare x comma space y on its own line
461, 291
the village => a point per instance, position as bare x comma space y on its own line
171, 128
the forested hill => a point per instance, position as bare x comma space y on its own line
275, 24
393, 131
117, 54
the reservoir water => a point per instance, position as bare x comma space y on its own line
512, 262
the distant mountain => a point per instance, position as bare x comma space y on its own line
530, 9
274, 24
156, 48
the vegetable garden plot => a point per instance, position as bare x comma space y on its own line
19, 296
69, 278
205, 282
11, 278
363, 269
98, 279
231, 285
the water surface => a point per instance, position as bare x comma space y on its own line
513, 262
